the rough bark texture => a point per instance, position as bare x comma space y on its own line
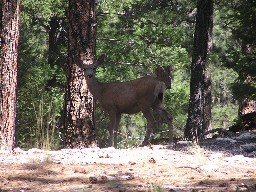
199, 113
54, 26
79, 129
56, 40
9, 32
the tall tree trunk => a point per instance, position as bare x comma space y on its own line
54, 26
9, 32
56, 41
199, 112
79, 129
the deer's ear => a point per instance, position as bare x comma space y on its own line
101, 59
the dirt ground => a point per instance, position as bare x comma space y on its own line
156, 168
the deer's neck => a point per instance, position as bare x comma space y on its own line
95, 87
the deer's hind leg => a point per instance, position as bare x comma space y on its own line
151, 124
168, 119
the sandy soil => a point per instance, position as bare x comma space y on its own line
155, 169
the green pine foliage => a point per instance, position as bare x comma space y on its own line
241, 49
40, 86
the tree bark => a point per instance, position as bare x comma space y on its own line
199, 112
78, 122
9, 32
54, 26
56, 41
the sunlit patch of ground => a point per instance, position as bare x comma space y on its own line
154, 168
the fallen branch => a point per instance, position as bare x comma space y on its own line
189, 167
220, 131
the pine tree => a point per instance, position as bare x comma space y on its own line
199, 113
9, 33
78, 118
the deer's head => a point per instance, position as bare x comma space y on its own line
90, 70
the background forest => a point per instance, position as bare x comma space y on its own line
137, 37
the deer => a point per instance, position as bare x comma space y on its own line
144, 95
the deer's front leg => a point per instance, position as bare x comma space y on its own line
116, 125
151, 123
113, 128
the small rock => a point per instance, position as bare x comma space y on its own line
104, 178
152, 160
93, 180
132, 163
130, 177
223, 185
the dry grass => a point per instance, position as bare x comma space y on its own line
159, 170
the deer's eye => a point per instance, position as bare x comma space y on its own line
90, 76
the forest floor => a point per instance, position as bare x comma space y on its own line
222, 164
